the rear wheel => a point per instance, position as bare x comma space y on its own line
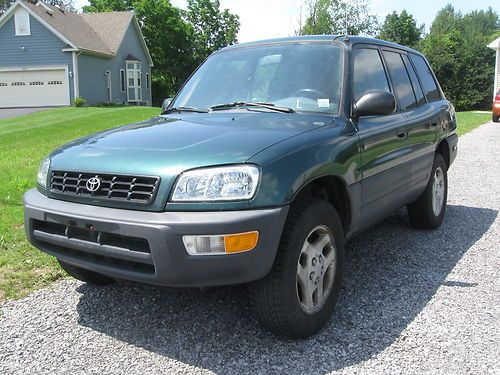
428, 211
298, 296
496, 118
85, 275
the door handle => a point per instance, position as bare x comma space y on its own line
434, 124
402, 134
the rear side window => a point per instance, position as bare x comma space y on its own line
417, 90
424, 72
400, 80
368, 72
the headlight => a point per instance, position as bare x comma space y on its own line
43, 170
235, 182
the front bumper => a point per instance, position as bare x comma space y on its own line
147, 246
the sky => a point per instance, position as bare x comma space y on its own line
265, 19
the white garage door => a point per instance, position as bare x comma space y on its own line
33, 88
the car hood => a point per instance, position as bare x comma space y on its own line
165, 146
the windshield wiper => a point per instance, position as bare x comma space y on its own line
184, 109
270, 106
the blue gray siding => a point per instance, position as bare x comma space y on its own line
92, 69
42, 48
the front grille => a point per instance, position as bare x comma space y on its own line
137, 189
86, 244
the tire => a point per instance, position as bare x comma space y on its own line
495, 118
279, 300
85, 275
423, 214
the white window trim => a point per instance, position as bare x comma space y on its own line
22, 15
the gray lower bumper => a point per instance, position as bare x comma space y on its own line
147, 246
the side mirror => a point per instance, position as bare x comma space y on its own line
375, 103
166, 103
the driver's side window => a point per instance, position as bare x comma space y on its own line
368, 72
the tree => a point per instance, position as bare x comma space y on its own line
170, 41
108, 6
4, 5
339, 16
402, 29
319, 21
213, 28
456, 49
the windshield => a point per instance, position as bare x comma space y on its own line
304, 77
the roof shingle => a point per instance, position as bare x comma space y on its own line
96, 32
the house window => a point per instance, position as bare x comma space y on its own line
55, 83
22, 20
3, 84
122, 79
36, 83
134, 84
147, 80
18, 84
107, 75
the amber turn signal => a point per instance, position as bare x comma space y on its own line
237, 243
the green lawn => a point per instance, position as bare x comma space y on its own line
468, 121
24, 141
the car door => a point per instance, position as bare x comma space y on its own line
428, 121
418, 147
381, 138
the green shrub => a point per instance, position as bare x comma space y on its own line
79, 102
109, 104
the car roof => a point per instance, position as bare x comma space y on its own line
346, 40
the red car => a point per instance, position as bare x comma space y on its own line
496, 108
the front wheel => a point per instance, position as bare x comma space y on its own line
427, 212
298, 296
495, 118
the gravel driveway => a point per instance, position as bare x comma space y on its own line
414, 302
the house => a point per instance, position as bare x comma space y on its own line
495, 45
49, 57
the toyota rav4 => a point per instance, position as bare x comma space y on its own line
271, 156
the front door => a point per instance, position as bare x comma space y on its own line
134, 81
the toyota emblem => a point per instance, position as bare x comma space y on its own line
93, 184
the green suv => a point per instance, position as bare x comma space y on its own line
271, 156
